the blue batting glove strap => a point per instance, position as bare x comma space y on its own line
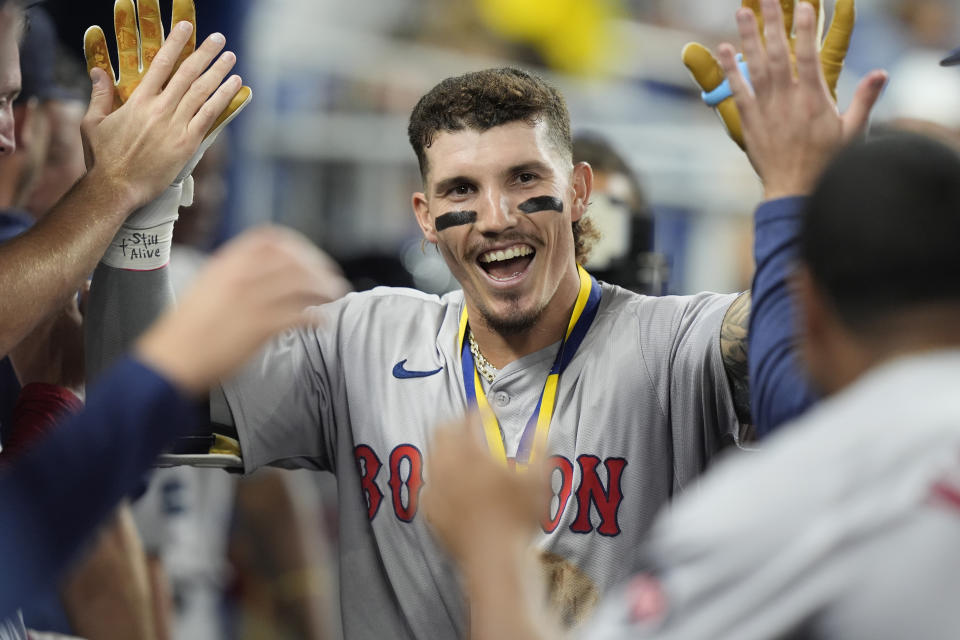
721, 93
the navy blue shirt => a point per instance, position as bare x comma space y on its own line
54, 497
779, 388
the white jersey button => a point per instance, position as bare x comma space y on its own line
502, 398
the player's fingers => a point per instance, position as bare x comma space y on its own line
753, 50
868, 92
835, 46
708, 73
731, 120
97, 55
239, 100
743, 95
162, 65
205, 85
808, 63
193, 67
704, 68
787, 8
819, 12
214, 106
151, 31
754, 7
184, 10
778, 48
128, 47
95, 51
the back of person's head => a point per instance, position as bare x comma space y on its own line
600, 154
881, 230
485, 99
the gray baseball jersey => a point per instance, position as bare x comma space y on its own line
639, 410
844, 526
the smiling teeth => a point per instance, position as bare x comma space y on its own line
509, 254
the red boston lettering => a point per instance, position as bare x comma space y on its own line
591, 491
413, 482
369, 466
565, 467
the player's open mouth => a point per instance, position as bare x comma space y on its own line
506, 264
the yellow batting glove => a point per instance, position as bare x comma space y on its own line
139, 37
143, 241
708, 74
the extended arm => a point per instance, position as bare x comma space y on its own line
132, 154
43, 267
490, 541
791, 128
762, 324
781, 390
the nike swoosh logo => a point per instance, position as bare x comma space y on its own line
400, 372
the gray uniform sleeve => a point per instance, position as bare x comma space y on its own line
283, 402
702, 415
121, 306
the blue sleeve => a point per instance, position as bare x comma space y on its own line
56, 495
779, 388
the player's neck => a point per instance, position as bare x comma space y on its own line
501, 349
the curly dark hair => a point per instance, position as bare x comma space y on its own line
485, 99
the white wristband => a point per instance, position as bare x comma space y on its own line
143, 241
140, 249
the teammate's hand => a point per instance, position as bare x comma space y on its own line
475, 504
709, 74
791, 125
139, 39
142, 147
257, 285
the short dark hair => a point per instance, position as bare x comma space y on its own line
485, 99
881, 229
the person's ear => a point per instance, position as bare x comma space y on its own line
421, 209
582, 184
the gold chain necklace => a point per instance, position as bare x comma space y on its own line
484, 368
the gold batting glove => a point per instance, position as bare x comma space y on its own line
139, 37
708, 74
143, 241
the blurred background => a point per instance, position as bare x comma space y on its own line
323, 146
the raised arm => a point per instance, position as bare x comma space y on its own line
133, 153
788, 121
791, 127
142, 243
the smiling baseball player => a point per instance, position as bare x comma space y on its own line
626, 397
